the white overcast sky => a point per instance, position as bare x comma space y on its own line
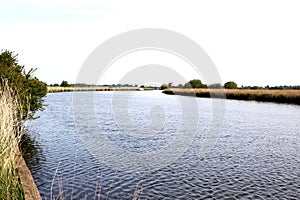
253, 42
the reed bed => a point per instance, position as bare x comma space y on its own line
10, 136
277, 96
72, 89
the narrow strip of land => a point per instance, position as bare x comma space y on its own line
277, 96
72, 89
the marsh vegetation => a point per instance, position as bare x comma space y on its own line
277, 96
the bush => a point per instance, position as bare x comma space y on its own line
187, 85
28, 88
215, 86
230, 85
196, 83
65, 84
164, 86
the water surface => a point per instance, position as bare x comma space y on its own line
256, 155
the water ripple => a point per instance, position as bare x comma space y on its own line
256, 157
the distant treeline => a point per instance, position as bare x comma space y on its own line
196, 83
277, 94
66, 84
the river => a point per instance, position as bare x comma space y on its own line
146, 145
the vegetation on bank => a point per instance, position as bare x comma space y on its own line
73, 89
277, 96
83, 87
230, 90
10, 136
65, 83
29, 89
196, 83
21, 96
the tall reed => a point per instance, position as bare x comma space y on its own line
10, 136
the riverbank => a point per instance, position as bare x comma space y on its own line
10, 137
277, 96
16, 181
51, 89
31, 191
72, 89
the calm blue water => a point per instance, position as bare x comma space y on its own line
256, 155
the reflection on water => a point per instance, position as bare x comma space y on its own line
256, 156
32, 153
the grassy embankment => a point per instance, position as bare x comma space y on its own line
277, 96
10, 136
72, 89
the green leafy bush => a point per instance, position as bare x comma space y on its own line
29, 90
196, 83
64, 84
230, 85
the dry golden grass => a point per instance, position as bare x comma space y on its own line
288, 93
278, 96
260, 92
10, 136
272, 92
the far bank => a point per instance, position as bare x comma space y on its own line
51, 89
263, 95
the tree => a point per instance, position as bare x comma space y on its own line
29, 89
230, 85
215, 86
196, 83
164, 86
187, 85
64, 84
180, 85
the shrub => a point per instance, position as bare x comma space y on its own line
65, 84
196, 83
187, 85
230, 85
28, 88
164, 86
215, 86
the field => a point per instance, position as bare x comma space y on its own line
278, 96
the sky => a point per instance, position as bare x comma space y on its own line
250, 42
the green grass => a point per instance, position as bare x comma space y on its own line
10, 186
